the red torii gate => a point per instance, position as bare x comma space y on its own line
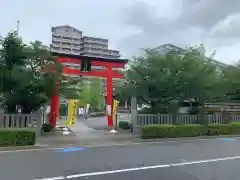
108, 72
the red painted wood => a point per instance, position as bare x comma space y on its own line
104, 73
94, 62
110, 93
54, 108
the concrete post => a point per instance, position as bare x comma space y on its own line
134, 113
38, 122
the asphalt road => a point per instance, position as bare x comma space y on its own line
189, 160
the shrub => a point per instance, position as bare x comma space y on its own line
124, 125
17, 137
235, 123
236, 128
25, 137
218, 129
173, 131
47, 127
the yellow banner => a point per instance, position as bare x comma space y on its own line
115, 105
72, 113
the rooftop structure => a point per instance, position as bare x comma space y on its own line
167, 48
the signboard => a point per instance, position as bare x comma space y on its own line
115, 105
72, 113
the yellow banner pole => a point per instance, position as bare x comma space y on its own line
115, 105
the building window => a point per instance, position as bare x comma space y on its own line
56, 48
56, 42
76, 39
65, 43
68, 38
56, 36
66, 49
76, 45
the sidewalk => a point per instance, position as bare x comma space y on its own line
81, 128
105, 138
94, 138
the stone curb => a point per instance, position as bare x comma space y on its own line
188, 138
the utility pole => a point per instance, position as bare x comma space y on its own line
18, 23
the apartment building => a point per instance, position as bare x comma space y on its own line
69, 40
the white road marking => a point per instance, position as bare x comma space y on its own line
142, 168
55, 178
109, 145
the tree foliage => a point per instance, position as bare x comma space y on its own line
91, 94
159, 80
22, 80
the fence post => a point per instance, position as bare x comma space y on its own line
38, 122
134, 113
226, 117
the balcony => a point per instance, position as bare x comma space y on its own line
95, 46
112, 52
66, 36
66, 40
65, 50
94, 40
101, 52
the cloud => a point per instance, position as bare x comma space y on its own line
206, 13
131, 25
211, 22
229, 28
153, 29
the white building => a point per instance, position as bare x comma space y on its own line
69, 40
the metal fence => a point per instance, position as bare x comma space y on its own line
33, 121
17, 120
148, 119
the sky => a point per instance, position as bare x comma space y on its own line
131, 25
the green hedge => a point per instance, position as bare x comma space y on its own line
124, 125
46, 127
193, 130
17, 137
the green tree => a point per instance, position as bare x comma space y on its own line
158, 80
20, 84
92, 94
22, 80
231, 82
122, 93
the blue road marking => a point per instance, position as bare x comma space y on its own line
226, 139
72, 149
